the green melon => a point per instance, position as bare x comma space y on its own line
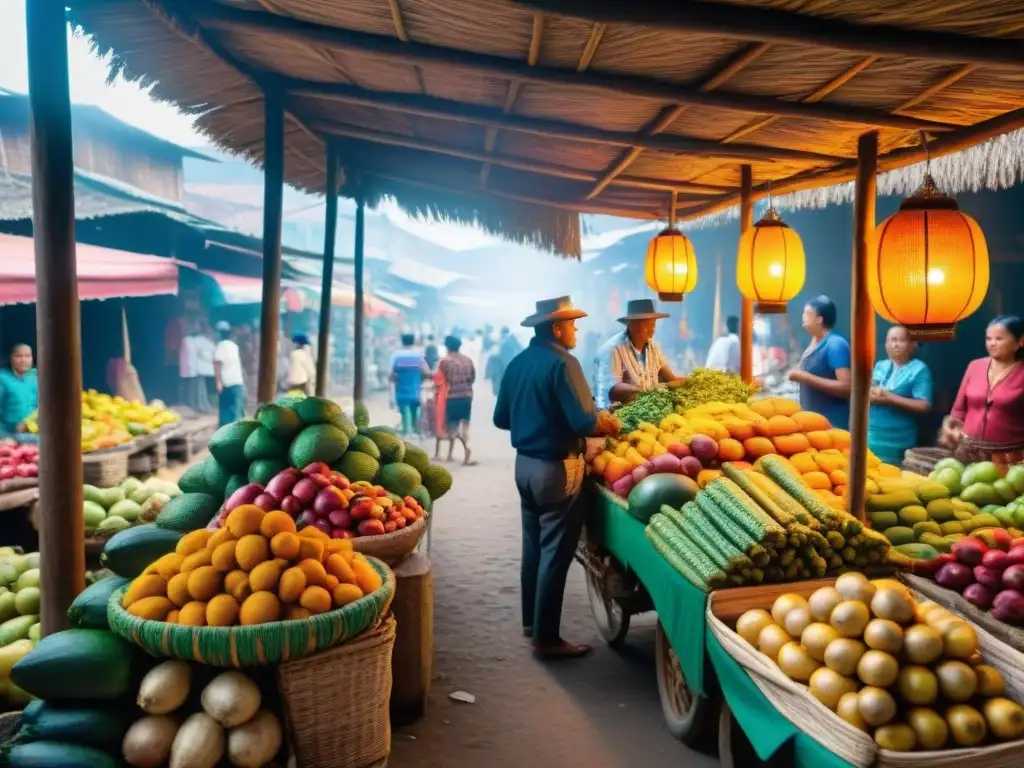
216, 477
234, 483
648, 496
130, 552
391, 448
399, 478
346, 425
361, 414
437, 480
283, 422
357, 466
262, 444
363, 444
320, 442
420, 494
194, 478
227, 445
263, 470
416, 457
188, 512
317, 410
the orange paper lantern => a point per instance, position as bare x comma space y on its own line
930, 267
671, 266
770, 267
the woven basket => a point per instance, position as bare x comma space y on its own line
258, 644
923, 460
795, 703
105, 470
353, 729
392, 548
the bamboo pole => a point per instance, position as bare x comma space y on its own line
323, 353
273, 198
746, 305
862, 320
59, 341
359, 382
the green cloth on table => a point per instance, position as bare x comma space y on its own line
680, 605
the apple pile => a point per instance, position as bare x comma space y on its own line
17, 460
325, 499
989, 575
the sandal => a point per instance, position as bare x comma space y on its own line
563, 650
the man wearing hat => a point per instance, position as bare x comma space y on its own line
545, 402
631, 361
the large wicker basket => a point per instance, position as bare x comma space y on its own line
259, 644
354, 731
392, 548
106, 468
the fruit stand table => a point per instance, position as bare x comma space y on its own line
18, 492
625, 576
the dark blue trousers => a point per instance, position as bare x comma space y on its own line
552, 521
231, 404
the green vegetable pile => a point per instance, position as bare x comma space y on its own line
650, 406
705, 386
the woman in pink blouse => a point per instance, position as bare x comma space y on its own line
987, 420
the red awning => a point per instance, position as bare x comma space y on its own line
103, 273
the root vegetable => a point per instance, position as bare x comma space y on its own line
231, 699
147, 743
255, 743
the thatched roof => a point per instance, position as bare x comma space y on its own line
519, 114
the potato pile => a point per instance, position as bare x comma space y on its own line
254, 570
909, 674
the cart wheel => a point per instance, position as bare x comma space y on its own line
685, 713
734, 748
611, 618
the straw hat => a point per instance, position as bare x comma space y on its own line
641, 309
553, 310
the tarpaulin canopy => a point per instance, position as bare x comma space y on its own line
237, 289
103, 273
345, 296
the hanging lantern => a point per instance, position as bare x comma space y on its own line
770, 267
671, 266
930, 267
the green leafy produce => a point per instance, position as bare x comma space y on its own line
651, 406
705, 386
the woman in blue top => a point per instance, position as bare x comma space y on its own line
901, 391
19, 394
824, 370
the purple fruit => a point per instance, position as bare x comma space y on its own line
281, 484
954, 576
690, 466
316, 468
340, 518
1008, 606
979, 595
305, 491
997, 560
266, 502
1013, 578
1015, 556
328, 500
292, 506
323, 525
969, 551
305, 518
247, 494
988, 577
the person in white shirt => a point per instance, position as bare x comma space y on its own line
301, 366
227, 367
204, 349
193, 390
632, 362
724, 354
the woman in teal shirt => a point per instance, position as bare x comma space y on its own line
901, 391
19, 394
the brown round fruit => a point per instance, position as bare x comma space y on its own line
1005, 718
918, 685
855, 586
829, 687
897, 737
957, 681
878, 668
883, 635
750, 624
966, 725
796, 663
922, 644
771, 640
959, 640
893, 604
850, 617
849, 710
816, 638
823, 601
876, 706
797, 620
990, 681
932, 731
842, 655
784, 604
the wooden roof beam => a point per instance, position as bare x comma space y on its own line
666, 117
746, 22
444, 109
491, 136
222, 18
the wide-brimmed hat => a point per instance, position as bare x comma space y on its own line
553, 310
641, 309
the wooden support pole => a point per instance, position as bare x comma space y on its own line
273, 199
359, 382
862, 319
323, 351
746, 305
58, 335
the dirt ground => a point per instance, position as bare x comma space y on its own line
599, 712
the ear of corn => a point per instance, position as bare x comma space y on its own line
665, 550
774, 493
685, 548
739, 536
705, 535
832, 519
746, 513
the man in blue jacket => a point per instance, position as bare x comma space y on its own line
545, 402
